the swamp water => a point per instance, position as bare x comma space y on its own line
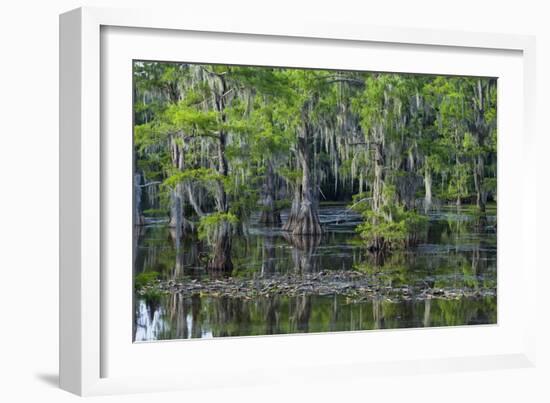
310, 284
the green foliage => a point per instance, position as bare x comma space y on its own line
144, 279
218, 128
204, 175
155, 212
384, 231
361, 202
211, 224
152, 296
290, 175
192, 121
244, 200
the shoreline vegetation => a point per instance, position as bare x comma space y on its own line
221, 149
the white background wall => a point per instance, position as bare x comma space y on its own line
29, 196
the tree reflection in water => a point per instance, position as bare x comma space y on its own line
455, 256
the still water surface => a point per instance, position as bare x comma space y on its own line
457, 255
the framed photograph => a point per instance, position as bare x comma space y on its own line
238, 198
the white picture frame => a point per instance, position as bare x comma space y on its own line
87, 314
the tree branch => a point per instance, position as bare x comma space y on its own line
193, 201
150, 184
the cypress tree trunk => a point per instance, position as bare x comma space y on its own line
307, 222
268, 256
458, 200
377, 243
221, 254
480, 129
407, 185
177, 201
427, 189
378, 177
222, 242
479, 175
270, 215
177, 218
138, 212
295, 208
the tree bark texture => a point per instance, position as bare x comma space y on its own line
221, 254
307, 222
270, 215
